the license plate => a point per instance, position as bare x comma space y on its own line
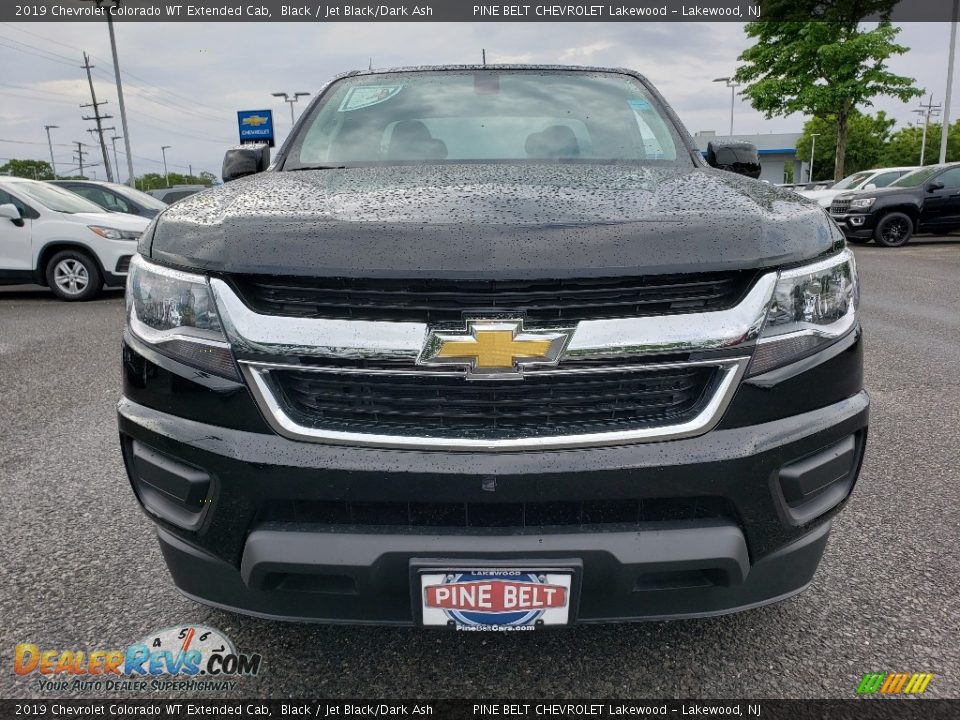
495, 599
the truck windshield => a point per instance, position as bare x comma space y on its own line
485, 116
852, 181
917, 177
55, 198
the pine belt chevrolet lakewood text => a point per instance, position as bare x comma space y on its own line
491, 348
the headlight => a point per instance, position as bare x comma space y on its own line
862, 203
812, 307
174, 313
113, 233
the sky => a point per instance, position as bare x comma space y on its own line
184, 82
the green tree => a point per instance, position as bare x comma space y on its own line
867, 138
33, 169
905, 144
824, 68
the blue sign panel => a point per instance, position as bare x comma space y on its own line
256, 126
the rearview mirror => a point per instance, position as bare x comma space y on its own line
245, 160
869, 186
735, 156
10, 212
935, 185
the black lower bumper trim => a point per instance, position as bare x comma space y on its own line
641, 575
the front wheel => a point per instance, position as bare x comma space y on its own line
74, 275
894, 230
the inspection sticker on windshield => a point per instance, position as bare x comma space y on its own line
496, 600
367, 95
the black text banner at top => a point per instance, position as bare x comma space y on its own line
636, 11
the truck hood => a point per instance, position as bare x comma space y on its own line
120, 221
823, 197
502, 220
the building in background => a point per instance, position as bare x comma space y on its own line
777, 151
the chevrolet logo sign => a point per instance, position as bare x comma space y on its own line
494, 348
255, 120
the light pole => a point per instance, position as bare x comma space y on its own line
291, 98
113, 141
166, 175
813, 145
53, 163
733, 85
123, 110
945, 128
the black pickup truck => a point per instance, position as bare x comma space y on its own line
926, 200
491, 348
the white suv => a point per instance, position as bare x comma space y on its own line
54, 237
863, 180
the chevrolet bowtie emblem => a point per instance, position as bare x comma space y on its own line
494, 348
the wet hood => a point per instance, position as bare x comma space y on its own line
491, 221
119, 221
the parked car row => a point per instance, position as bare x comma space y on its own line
863, 180
926, 200
74, 236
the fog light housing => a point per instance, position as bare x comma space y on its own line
171, 490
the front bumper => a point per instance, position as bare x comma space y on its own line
724, 522
856, 225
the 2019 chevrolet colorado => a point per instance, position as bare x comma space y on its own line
491, 347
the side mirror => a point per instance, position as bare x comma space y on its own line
245, 160
935, 185
735, 156
10, 212
869, 186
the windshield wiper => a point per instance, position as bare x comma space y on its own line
316, 167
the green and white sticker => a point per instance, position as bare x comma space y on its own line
366, 95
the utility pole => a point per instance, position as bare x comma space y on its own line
946, 100
80, 154
166, 175
191, 169
97, 116
291, 98
53, 163
113, 141
123, 111
926, 111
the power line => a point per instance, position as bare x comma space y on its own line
125, 73
35, 51
31, 142
63, 60
37, 99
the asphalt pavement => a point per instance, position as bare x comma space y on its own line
81, 569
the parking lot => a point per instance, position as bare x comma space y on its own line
81, 568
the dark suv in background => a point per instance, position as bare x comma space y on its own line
926, 200
492, 347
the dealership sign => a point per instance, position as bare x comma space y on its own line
256, 126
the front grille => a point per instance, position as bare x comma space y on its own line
541, 302
541, 405
574, 515
840, 206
